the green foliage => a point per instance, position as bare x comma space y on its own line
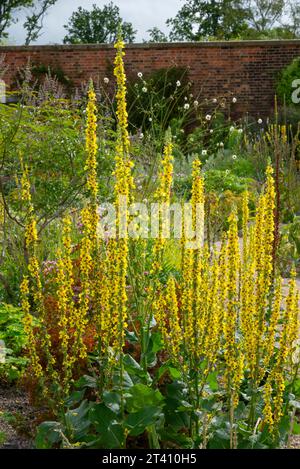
289, 249
156, 101
8, 10
199, 19
14, 341
289, 82
155, 35
97, 26
34, 21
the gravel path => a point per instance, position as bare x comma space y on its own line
16, 419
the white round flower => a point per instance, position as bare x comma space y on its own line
234, 157
221, 144
144, 89
186, 106
211, 131
140, 75
215, 100
208, 117
196, 103
240, 131
232, 128
150, 119
106, 80
259, 121
141, 135
191, 95
234, 100
204, 152
185, 98
178, 83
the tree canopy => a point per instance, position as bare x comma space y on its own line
99, 25
36, 11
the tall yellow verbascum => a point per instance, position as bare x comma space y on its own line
232, 353
118, 248
89, 217
31, 286
168, 320
275, 386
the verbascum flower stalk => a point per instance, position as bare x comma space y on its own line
232, 353
32, 286
89, 217
91, 160
124, 186
169, 321
65, 304
273, 410
163, 196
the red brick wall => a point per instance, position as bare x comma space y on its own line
247, 69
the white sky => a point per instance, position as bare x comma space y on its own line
143, 14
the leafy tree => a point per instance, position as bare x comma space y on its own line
156, 35
8, 8
34, 20
199, 19
97, 26
294, 15
263, 15
245, 19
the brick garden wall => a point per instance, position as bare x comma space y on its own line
245, 69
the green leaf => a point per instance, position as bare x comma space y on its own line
104, 420
140, 396
86, 382
113, 437
212, 381
220, 440
296, 428
74, 398
101, 417
135, 371
123, 381
77, 421
131, 337
112, 400
173, 372
48, 434
138, 421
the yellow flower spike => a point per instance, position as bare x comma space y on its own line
245, 209
163, 196
28, 328
32, 286
197, 201
232, 354
273, 325
91, 144
118, 249
167, 317
268, 408
214, 317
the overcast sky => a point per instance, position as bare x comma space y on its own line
143, 14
